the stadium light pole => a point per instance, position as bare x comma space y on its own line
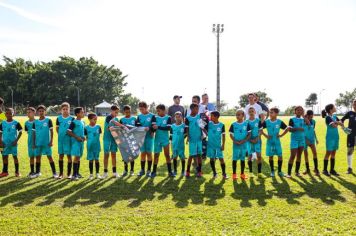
218, 29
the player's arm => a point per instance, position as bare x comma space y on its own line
187, 128
291, 125
57, 125
223, 138
33, 135
248, 134
231, 131
168, 127
329, 121
50, 125
1, 144
262, 132
338, 122
285, 130
345, 117
19, 130
71, 134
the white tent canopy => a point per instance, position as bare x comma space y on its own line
103, 108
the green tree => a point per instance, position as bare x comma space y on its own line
312, 100
346, 99
290, 110
262, 95
129, 99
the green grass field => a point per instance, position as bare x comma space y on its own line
299, 206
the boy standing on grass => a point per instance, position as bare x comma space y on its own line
92, 132
351, 138
216, 143
76, 131
239, 134
194, 139
62, 124
255, 141
10, 133
178, 132
146, 119
274, 147
310, 141
2, 114
43, 140
129, 121
28, 128
161, 126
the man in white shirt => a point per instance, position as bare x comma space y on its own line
196, 100
252, 103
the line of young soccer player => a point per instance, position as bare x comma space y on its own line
170, 138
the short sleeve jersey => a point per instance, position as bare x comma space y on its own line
215, 131
239, 130
331, 132
128, 121
296, 122
309, 130
164, 125
273, 127
77, 127
93, 136
28, 129
63, 125
351, 116
10, 131
42, 129
195, 131
107, 124
255, 126
178, 132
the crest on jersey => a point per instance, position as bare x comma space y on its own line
148, 119
13, 126
277, 126
218, 129
45, 124
164, 122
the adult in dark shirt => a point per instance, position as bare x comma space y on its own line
263, 106
175, 107
351, 140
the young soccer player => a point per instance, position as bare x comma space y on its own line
178, 131
332, 138
351, 138
310, 141
274, 147
161, 127
92, 132
31, 112
240, 135
129, 121
216, 143
195, 136
62, 124
10, 133
2, 114
297, 142
146, 119
255, 141
76, 131
43, 140
110, 146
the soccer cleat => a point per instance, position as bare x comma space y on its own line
69, 177
75, 177
79, 176
326, 173
200, 174
182, 174
116, 175
243, 177
234, 176
281, 174
349, 171
141, 173
316, 172
333, 172
55, 176
132, 173
272, 174
30, 175
288, 176
225, 176
98, 176
124, 173
175, 173
105, 175
307, 172
187, 174
215, 176
60, 176
172, 174
91, 177
298, 174
148, 173
3, 174
17, 175
153, 174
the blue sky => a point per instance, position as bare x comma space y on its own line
287, 48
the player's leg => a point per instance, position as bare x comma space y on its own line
234, 166
5, 171
242, 167
168, 160
75, 168
69, 166
223, 168
113, 164
143, 163
298, 159
259, 163
97, 168
149, 162
212, 165
293, 154
306, 159
326, 160
271, 165
32, 167
91, 169
332, 164
351, 143
188, 166
16, 163
199, 161
38, 166
315, 159
53, 167
280, 163
155, 164
249, 163
106, 163
60, 165
132, 166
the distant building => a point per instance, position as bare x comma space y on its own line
103, 108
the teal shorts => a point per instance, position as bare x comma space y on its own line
195, 148
64, 145
159, 145
255, 147
239, 152
294, 144
332, 144
110, 145
77, 149
273, 149
93, 156
147, 144
311, 142
43, 150
214, 153
178, 153
31, 151
10, 150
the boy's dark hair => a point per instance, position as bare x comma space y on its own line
178, 113
65, 104
204, 94
297, 107
251, 94
126, 107
197, 97
327, 110
161, 107
91, 116
1, 101
31, 109
9, 109
193, 105
310, 112
114, 108
274, 109
77, 110
41, 107
215, 114
142, 104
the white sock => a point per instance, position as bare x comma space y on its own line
349, 160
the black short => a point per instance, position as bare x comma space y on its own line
351, 140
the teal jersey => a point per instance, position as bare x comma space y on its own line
331, 132
164, 125
215, 131
63, 125
309, 131
255, 126
195, 132
273, 127
10, 131
296, 122
146, 120
77, 127
93, 137
42, 129
108, 123
28, 129
178, 132
239, 130
128, 121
